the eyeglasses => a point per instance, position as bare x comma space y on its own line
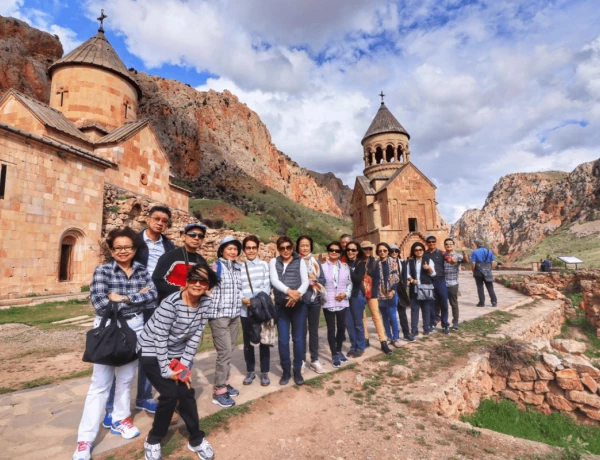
195, 235
161, 220
382, 251
287, 247
201, 282
351, 250
250, 248
337, 251
449, 244
122, 248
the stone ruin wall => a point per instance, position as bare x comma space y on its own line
125, 208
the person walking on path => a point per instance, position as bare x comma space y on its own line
389, 277
401, 301
313, 298
339, 288
128, 284
420, 272
452, 261
482, 260
373, 302
255, 279
354, 317
172, 267
440, 312
174, 332
289, 278
153, 245
224, 317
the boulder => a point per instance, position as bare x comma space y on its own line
569, 346
591, 412
531, 398
581, 365
402, 372
498, 383
512, 395
528, 374
541, 344
543, 372
568, 379
559, 402
584, 397
552, 361
540, 386
521, 386
359, 381
589, 382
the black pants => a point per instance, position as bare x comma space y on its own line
171, 393
313, 317
335, 338
263, 350
490, 288
403, 320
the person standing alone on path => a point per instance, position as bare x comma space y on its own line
439, 284
452, 261
482, 260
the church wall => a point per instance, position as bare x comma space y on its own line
143, 169
47, 197
13, 113
93, 94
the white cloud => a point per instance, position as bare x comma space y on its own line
10, 7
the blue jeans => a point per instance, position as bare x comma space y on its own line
440, 302
426, 306
389, 315
294, 318
354, 322
144, 387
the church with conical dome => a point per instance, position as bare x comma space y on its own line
393, 201
62, 163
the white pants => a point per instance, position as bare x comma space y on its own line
102, 379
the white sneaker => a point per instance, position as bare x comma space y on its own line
152, 451
83, 451
125, 428
303, 368
204, 450
317, 367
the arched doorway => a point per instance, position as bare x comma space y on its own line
65, 270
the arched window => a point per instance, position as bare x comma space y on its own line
401, 158
389, 154
66, 258
378, 155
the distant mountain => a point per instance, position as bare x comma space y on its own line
524, 208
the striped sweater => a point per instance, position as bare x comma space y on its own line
259, 275
174, 331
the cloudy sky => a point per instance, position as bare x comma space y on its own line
485, 88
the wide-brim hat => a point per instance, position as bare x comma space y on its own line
366, 245
229, 240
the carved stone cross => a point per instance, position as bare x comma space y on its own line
62, 92
101, 18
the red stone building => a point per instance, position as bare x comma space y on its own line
394, 201
58, 160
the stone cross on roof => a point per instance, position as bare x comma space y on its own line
101, 18
380, 94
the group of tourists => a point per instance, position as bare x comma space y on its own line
167, 295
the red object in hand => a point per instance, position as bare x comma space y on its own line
176, 365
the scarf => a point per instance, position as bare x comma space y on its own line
393, 276
314, 272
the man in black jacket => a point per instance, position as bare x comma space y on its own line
439, 283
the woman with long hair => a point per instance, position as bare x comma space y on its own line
313, 299
339, 288
357, 263
420, 272
128, 284
174, 332
389, 277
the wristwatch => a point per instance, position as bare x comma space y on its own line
125, 299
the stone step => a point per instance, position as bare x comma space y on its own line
77, 319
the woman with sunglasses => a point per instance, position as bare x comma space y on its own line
224, 317
389, 277
339, 288
313, 299
289, 279
174, 332
127, 283
357, 263
420, 271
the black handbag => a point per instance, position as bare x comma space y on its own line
111, 345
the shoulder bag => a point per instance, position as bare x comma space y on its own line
485, 268
111, 345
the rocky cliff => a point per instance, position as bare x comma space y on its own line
341, 193
523, 208
202, 132
25, 55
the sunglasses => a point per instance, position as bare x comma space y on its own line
195, 235
337, 251
382, 251
394, 251
201, 282
287, 247
250, 248
351, 250
367, 249
418, 250
431, 242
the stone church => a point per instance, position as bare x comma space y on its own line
393, 201
58, 163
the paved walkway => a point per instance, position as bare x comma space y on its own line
42, 423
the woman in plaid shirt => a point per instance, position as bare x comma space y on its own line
129, 285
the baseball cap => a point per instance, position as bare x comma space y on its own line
394, 247
430, 236
188, 227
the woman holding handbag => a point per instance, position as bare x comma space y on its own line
255, 279
127, 286
389, 277
174, 332
355, 257
420, 282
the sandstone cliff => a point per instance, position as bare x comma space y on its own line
523, 208
341, 193
25, 55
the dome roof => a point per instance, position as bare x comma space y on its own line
97, 52
384, 122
